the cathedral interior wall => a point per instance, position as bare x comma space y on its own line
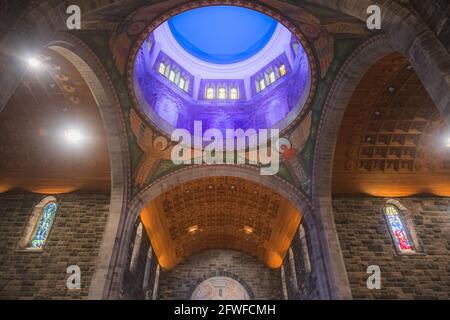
181, 281
74, 239
365, 240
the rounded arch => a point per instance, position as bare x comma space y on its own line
97, 79
340, 93
245, 289
399, 37
195, 172
408, 34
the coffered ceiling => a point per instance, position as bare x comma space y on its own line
35, 155
392, 141
220, 213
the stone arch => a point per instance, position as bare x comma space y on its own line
340, 93
98, 81
434, 77
102, 88
409, 35
246, 172
404, 32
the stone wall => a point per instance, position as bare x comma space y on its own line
74, 239
365, 240
180, 282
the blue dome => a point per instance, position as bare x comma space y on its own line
222, 34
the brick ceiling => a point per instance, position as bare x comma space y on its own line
392, 140
220, 213
34, 155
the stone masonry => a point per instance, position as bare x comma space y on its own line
74, 239
180, 282
365, 240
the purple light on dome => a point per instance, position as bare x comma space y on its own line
169, 107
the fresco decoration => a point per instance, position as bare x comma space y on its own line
290, 147
332, 36
319, 33
321, 27
127, 32
155, 148
220, 288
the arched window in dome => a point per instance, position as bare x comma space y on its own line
261, 84
272, 77
184, 84
222, 93
234, 94
172, 75
210, 93
162, 68
282, 70
398, 228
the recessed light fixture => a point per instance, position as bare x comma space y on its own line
34, 63
193, 229
73, 136
391, 89
248, 230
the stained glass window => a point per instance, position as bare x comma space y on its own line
43, 226
398, 229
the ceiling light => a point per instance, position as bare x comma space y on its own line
73, 136
34, 63
193, 229
248, 230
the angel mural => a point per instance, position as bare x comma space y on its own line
155, 149
289, 149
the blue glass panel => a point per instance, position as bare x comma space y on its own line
44, 225
222, 34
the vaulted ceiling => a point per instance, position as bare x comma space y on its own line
34, 153
392, 140
220, 213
